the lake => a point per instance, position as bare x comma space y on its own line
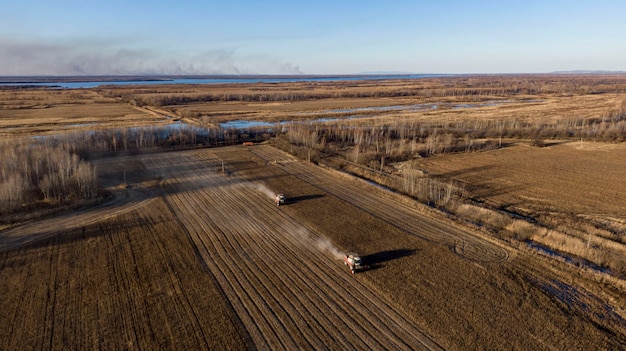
78, 83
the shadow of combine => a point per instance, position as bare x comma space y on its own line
296, 199
376, 260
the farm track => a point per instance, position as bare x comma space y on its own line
286, 290
383, 205
39, 230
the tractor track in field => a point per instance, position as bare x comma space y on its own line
287, 292
38, 230
381, 204
237, 322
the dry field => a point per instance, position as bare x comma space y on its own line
37, 111
567, 178
572, 188
189, 257
532, 99
50, 111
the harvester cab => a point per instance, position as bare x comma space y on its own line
353, 261
279, 199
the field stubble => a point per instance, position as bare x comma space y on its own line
271, 278
433, 276
570, 189
128, 282
27, 112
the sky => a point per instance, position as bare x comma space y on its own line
130, 37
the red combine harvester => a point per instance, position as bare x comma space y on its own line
353, 261
279, 199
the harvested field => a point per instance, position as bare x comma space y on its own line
584, 177
191, 253
128, 282
192, 257
26, 112
533, 99
572, 188
509, 99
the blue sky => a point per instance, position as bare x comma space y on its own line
73, 37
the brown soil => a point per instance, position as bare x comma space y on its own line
569, 177
186, 256
571, 188
189, 257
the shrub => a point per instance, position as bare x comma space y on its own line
522, 230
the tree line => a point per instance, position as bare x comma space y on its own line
54, 171
410, 138
40, 171
376, 146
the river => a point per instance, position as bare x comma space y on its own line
92, 82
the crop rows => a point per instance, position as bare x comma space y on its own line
193, 254
286, 290
386, 207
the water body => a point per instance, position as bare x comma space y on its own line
51, 82
245, 125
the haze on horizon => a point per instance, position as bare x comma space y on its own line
69, 37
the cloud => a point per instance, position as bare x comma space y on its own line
103, 58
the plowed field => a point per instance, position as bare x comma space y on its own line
196, 255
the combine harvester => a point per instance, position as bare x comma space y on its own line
279, 199
353, 261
